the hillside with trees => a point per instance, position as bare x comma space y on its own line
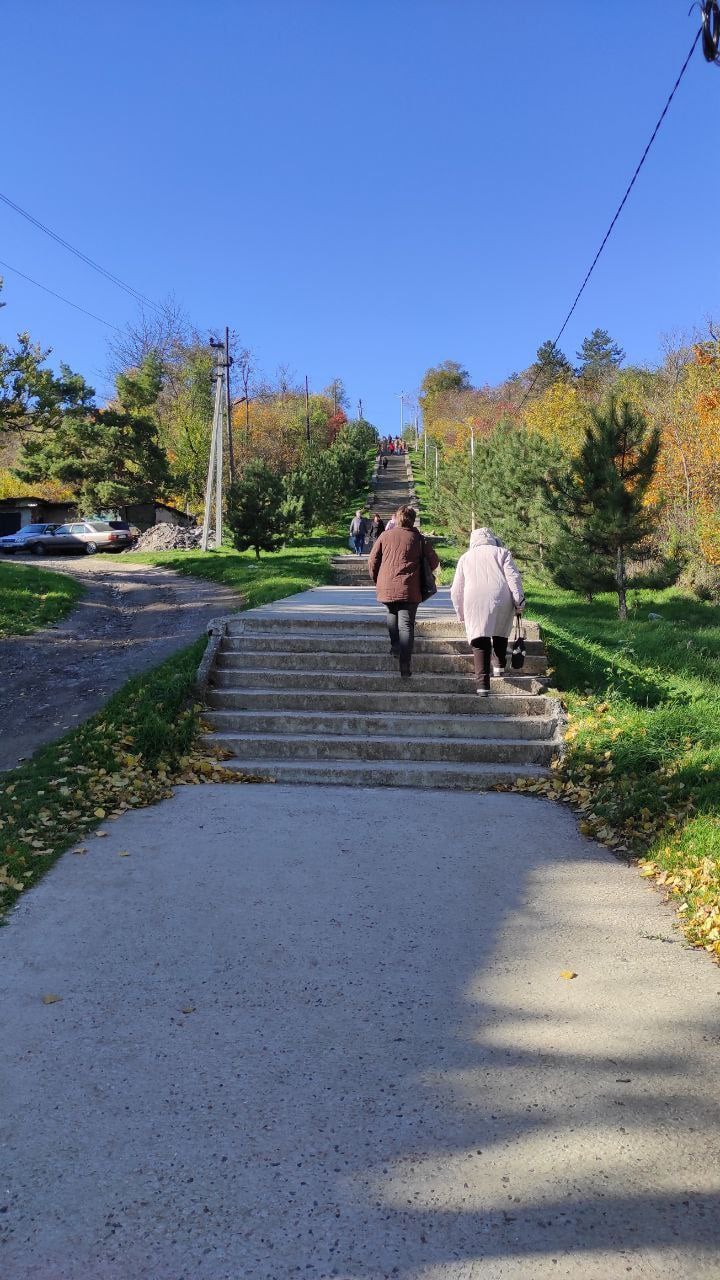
599, 473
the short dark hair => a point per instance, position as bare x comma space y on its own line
406, 517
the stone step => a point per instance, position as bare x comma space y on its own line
291, 624
309, 746
413, 710
351, 662
352, 643
389, 773
362, 682
535, 727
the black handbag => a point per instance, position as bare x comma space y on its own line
517, 653
428, 585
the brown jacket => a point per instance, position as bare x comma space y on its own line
394, 565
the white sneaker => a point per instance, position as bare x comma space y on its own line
498, 671
482, 693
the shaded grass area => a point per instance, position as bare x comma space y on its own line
144, 740
31, 598
275, 574
643, 743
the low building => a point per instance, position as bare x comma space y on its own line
147, 514
15, 513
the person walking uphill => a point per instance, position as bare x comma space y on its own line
394, 567
358, 530
486, 592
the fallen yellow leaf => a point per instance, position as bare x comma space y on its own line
50, 999
568, 973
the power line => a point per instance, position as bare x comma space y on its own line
59, 295
134, 293
620, 207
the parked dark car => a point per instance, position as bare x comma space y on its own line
25, 538
82, 535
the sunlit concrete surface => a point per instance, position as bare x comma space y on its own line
323, 1032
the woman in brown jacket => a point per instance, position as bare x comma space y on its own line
394, 566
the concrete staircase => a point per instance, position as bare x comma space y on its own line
313, 695
391, 488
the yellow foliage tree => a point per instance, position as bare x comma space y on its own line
560, 415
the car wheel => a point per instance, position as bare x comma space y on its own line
37, 549
90, 548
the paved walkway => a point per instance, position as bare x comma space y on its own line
313, 1032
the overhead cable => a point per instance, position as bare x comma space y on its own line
59, 295
90, 262
620, 207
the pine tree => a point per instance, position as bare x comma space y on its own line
601, 505
550, 364
255, 509
109, 458
599, 355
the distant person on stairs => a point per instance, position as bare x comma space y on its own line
376, 528
487, 592
358, 530
394, 566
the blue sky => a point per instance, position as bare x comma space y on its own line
361, 188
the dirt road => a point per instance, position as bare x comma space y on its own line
131, 617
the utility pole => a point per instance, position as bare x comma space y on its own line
472, 474
220, 423
360, 410
437, 471
307, 411
231, 445
401, 395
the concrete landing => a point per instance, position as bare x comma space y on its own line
314, 1032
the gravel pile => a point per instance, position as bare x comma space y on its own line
170, 537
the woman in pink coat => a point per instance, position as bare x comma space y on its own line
487, 592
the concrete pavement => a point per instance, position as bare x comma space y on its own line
313, 1032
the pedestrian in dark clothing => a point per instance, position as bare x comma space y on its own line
377, 527
385, 464
394, 567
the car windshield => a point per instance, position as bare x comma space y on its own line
30, 529
98, 525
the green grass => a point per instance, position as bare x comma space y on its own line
32, 598
143, 741
275, 574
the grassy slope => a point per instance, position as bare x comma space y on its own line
643, 742
31, 598
142, 742
276, 574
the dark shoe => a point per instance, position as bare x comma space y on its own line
405, 672
395, 651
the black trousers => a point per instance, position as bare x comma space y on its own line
482, 647
401, 628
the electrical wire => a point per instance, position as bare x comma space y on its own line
59, 295
134, 293
620, 207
